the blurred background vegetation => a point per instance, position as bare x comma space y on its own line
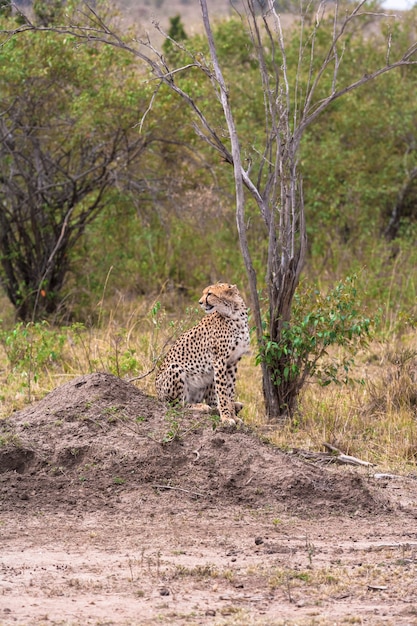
165, 216
91, 148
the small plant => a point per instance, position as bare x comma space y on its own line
114, 414
215, 420
118, 481
311, 551
307, 346
123, 360
292, 579
174, 427
32, 346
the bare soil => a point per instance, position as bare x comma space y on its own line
117, 511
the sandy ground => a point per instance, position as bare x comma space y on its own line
114, 511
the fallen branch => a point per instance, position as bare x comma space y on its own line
345, 458
334, 455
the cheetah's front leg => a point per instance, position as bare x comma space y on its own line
224, 393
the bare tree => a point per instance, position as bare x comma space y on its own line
48, 196
280, 198
276, 182
51, 188
60, 153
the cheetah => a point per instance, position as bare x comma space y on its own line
202, 363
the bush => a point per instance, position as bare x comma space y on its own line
305, 349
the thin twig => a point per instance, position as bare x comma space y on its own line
193, 493
130, 380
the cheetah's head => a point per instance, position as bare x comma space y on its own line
223, 298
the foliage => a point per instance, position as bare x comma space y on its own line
306, 348
176, 34
31, 349
33, 346
350, 183
359, 160
66, 139
355, 159
47, 11
6, 8
363, 167
148, 252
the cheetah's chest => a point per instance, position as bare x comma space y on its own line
231, 341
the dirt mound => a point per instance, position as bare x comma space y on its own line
98, 438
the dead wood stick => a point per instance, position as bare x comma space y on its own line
346, 458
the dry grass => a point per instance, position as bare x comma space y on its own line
375, 421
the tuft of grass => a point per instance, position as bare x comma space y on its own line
206, 570
10, 439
